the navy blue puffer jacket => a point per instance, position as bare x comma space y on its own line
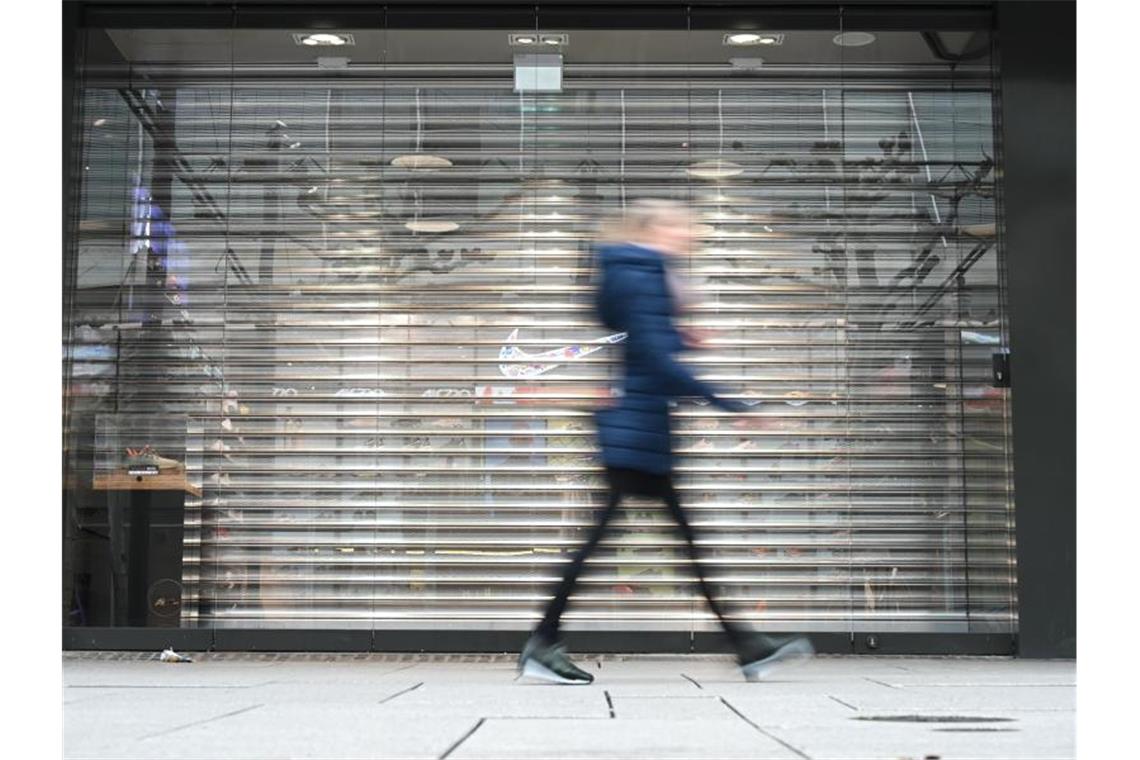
633, 297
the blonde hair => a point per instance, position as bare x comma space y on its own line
642, 215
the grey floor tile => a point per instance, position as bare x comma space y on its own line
669, 708
717, 738
959, 698
503, 701
679, 707
1034, 737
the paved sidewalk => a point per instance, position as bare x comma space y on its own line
118, 705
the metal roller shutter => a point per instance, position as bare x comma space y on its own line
378, 367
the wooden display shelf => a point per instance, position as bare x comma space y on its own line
164, 481
980, 230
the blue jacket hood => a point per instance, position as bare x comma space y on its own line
612, 257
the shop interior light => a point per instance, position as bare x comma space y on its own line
420, 162
431, 225
99, 122
715, 169
853, 39
552, 39
753, 38
323, 39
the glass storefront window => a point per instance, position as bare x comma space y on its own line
332, 354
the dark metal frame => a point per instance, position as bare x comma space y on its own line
1038, 127
488, 642
1037, 93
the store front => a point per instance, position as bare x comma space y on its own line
331, 357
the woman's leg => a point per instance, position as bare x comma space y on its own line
737, 634
548, 628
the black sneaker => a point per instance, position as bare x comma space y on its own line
547, 661
768, 653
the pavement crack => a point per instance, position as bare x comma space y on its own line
610, 702
390, 697
397, 670
200, 722
840, 701
773, 737
462, 739
692, 681
881, 683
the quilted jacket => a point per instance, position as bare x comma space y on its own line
633, 297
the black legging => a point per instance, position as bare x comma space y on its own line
633, 483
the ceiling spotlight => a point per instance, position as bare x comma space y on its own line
420, 162
715, 169
323, 39
99, 122
753, 38
431, 225
853, 39
532, 38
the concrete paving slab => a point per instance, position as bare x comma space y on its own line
668, 708
541, 739
114, 728
1030, 698
504, 700
692, 707
1034, 736
789, 709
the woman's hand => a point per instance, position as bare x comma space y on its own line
696, 337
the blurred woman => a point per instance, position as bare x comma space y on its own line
640, 293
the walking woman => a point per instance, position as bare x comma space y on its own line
640, 294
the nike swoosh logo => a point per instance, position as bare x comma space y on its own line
523, 364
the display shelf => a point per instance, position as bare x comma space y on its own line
168, 481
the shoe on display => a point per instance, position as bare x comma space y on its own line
146, 457
220, 479
219, 446
547, 661
766, 654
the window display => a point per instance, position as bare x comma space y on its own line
361, 300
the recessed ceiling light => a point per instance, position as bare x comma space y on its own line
753, 38
420, 162
853, 39
99, 122
534, 38
431, 225
324, 39
715, 169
